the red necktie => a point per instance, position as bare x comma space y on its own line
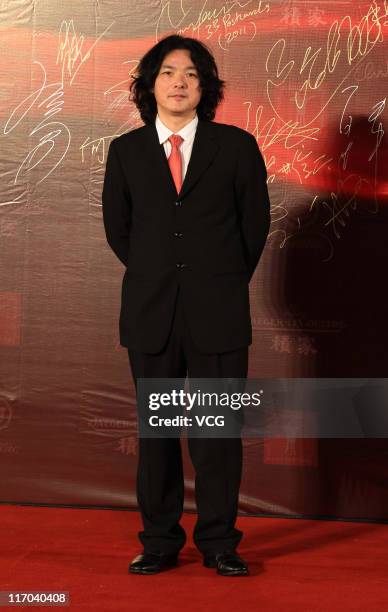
175, 160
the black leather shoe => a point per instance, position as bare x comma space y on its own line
227, 563
152, 563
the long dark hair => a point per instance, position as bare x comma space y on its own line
149, 66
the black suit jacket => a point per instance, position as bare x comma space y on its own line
206, 240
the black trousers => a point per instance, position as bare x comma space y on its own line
217, 461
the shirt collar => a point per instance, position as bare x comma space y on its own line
186, 132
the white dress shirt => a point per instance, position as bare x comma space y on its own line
187, 133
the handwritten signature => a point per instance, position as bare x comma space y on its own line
225, 22
54, 137
357, 44
70, 49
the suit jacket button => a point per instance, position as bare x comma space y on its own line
181, 266
178, 203
178, 234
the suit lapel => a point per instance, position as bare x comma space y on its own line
205, 148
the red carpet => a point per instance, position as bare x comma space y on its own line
296, 565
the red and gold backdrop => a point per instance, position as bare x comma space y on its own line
309, 80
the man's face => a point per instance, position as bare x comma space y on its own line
176, 89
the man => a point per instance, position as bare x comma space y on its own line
186, 210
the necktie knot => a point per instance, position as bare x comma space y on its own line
175, 140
